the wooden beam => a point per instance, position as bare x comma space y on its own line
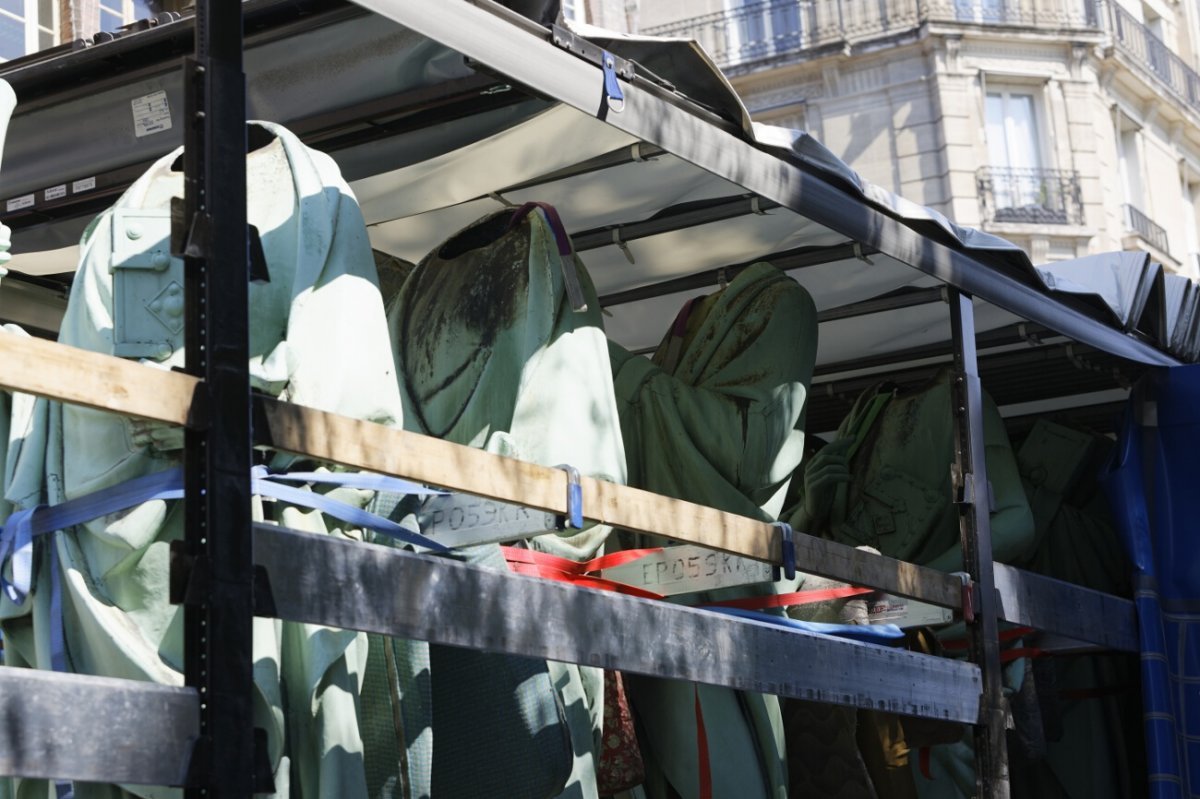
364, 445
68, 374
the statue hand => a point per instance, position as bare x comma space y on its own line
158, 437
828, 469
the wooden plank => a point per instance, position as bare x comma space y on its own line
351, 585
364, 445
1065, 609
95, 729
56, 371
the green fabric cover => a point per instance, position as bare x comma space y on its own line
716, 418
490, 354
885, 483
1094, 746
898, 498
318, 337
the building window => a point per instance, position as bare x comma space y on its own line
762, 28
115, 13
569, 9
27, 26
1014, 148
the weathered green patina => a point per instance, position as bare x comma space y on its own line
491, 354
318, 337
716, 417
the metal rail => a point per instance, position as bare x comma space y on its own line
323, 580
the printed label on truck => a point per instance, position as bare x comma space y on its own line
151, 114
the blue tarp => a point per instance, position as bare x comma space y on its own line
1152, 484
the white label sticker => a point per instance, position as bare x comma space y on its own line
87, 184
888, 609
686, 568
151, 114
56, 192
17, 203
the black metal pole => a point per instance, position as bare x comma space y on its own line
991, 750
218, 612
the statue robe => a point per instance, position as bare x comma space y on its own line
318, 337
899, 501
716, 418
490, 354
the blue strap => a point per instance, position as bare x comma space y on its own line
261, 483
612, 87
788, 545
364, 480
883, 634
16, 537
19, 530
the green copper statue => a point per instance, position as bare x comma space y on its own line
499, 344
716, 417
318, 337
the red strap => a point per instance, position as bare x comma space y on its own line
1009, 655
1005, 635
923, 762
794, 598
705, 775
530, 556
586, 581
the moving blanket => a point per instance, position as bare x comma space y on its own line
318, 337
716, 417
1151, 485
499, 344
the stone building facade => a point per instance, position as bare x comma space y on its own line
1066, 126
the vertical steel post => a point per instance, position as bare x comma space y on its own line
991, 751
219, 591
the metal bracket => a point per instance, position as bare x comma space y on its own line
197, 772
561, 37
966, 491
968, 596
190, 576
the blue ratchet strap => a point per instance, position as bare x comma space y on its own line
881, 634
788, 545
16, 539
261, 483
19, 530
368, 481
612, 87
574, 517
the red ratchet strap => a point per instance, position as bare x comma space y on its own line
705, 776
794, 598
552, 567
1004, 636
923, 763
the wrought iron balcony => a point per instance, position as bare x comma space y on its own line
772, 28
1144, 227
1140, 44
1030, 196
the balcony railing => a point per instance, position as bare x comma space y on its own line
1030, 196
770, 28
1139, 43
1144, 227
